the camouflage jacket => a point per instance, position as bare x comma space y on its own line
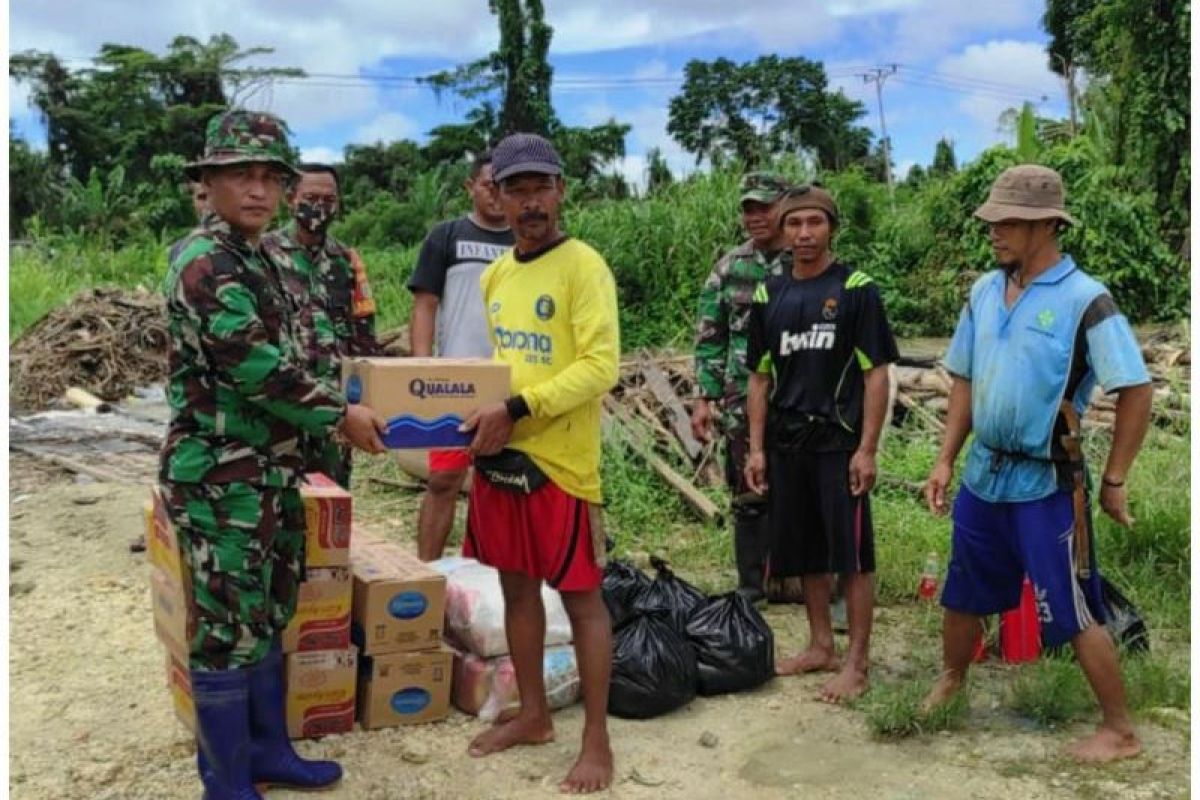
239, 392
722, 333
337, 316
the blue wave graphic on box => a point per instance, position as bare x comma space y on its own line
408, 431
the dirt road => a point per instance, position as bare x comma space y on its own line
90, 718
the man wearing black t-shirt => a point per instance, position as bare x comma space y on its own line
449, 318
819, 347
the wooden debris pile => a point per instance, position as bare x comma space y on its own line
107, 340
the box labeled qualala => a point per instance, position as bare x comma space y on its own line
425, 400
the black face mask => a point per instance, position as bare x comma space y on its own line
315, 217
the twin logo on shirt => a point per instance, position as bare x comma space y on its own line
820, 337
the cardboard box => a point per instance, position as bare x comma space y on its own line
169, 601
179, 686
399, 601
424, 400
162, 547
404, 688
321, 692
322, 620
327, 514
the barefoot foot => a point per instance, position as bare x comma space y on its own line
1105, 745
946, 687
814, 659
848, 684
593, 770
519, 730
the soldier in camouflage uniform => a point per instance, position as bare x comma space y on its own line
721, 372
329, 280
240, 399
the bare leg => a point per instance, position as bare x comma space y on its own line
860, 603
592, 630
820, 655
525, 626
436, 516
1115, 737
959, 632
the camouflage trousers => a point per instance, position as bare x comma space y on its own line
736, 429
329, 457
244, 547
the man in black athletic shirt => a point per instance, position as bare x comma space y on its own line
819, 349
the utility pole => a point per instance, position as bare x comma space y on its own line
878, 75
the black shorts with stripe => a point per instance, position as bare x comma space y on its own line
816, 525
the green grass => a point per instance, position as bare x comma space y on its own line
893, 711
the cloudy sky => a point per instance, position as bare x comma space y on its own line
960, 64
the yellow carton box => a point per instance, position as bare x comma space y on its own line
169, 601
179, 685
162, 546
321, 692
404, 688
322, 620
424, 400
399, 601
327, 514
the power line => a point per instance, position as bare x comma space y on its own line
878, 75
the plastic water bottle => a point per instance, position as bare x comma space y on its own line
927, 589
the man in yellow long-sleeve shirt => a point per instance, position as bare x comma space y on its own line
552, 316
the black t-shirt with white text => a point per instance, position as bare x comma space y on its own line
816, 337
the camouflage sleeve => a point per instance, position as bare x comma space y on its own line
362, 323
226, 318
712, 335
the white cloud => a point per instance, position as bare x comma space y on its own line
320, 155
998, 75
390, 126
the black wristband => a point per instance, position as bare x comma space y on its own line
517, 407
1111, 484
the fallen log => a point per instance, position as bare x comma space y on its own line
660, 387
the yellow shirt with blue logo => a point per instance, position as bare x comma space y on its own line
552, 317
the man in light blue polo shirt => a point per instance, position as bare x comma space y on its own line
1035, 338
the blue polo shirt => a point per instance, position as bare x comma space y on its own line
1061, 337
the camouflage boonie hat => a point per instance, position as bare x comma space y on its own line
244, 137
1026, 192
763, 187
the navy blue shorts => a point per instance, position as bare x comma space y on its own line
996, 544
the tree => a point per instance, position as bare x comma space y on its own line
658, 174
944, 162
30, 182
764, 108
518, 69
1139, 56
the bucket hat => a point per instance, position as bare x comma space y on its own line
1026, 192
244, 137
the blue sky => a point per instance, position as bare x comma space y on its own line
960, 64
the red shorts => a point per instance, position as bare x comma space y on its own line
546, 534
449, 460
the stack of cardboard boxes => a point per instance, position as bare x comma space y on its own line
399, 610
321, 665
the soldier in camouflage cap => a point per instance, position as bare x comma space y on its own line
721, 372
329, 282
241, 399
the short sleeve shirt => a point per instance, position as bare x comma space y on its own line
817, 337
1062, 337
451, 262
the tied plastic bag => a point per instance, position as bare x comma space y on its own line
623, 584
670, 592
487, 687
654, 668
475, 608
735, 648
1123, 620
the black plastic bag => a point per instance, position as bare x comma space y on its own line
623, 584
653, 670
1123, 620
671, 592
735, 648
